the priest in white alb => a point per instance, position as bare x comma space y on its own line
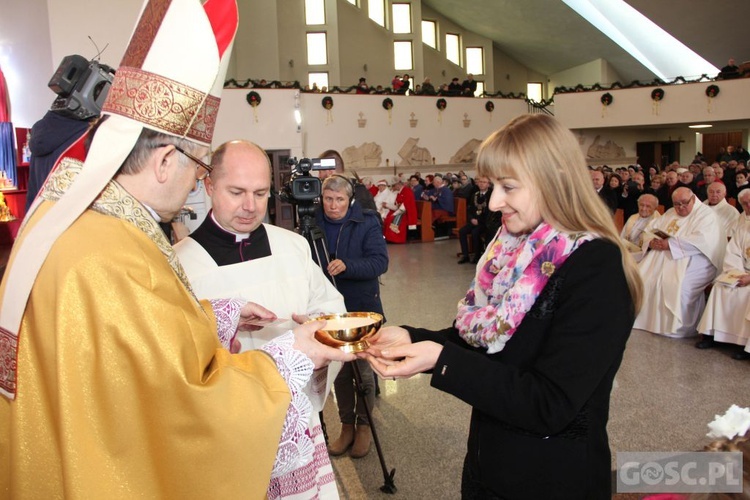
632, 231
679, 266
232, 253
727, 315
727, 214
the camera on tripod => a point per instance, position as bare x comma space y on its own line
302, 186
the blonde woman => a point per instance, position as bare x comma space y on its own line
541, 332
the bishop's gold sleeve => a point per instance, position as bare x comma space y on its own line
123, 388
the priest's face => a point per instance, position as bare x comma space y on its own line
683, 200
716, 192
647, 205
239, 187
745, 202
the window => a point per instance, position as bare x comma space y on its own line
534, 91
480, 89
315, 12
353, 2
429, 33
317, 52
317, 79
402, 56
453, 48
475, 60
376, 11
402, 18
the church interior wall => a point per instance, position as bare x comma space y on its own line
32, 55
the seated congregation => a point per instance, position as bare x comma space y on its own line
693, 255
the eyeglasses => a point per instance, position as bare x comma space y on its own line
679, 204
200, 174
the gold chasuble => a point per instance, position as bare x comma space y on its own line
123, 389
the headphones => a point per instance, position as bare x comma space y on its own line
351, 185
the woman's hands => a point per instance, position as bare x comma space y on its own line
391, 353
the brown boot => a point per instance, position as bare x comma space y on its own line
344, 441
362, 440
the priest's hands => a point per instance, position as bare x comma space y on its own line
253, 313
320, 354
744, 280
659, 244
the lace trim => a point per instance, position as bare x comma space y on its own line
295, 446
227, 312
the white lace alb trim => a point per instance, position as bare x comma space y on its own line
227, 312
295, 446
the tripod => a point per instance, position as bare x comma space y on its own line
315, 236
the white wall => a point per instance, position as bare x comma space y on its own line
682, 104
442, 134
597, 71
35, 35
26, 58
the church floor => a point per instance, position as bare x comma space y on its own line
665, 393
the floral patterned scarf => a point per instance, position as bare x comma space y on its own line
508, 281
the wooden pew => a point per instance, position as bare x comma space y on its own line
424, 221
459, 218
619, 219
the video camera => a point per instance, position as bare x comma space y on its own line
81, 86
302, 187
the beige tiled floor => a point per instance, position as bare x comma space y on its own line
666, 390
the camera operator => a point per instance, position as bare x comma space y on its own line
358, 256
82, 87
233, 253
361, 194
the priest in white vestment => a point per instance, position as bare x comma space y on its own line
233, 254
677, 269
727, 214
727, 315
633, 229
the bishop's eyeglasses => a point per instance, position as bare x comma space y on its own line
204, 169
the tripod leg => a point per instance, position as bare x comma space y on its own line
323, 426
388, 486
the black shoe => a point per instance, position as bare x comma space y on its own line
741, 356
706, 343
463, 260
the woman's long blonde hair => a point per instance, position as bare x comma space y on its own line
539, 152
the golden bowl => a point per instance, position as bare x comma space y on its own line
348, 331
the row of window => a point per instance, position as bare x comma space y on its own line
401, 22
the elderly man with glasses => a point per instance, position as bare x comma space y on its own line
686, 249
